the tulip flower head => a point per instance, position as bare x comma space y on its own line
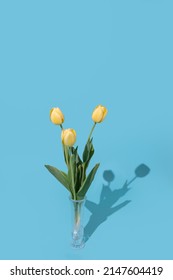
56, 116
99, 114
68, 137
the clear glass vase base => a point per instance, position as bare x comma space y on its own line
75, 245
78, 239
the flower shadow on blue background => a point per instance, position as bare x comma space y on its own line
105, 208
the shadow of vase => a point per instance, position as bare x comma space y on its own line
105, 208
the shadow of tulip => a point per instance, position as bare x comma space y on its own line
105, 208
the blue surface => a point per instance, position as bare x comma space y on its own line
75, 55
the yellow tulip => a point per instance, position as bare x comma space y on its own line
68, 137
56, 116
99, 114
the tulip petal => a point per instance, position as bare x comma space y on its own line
56, 116
68, 137
97, 115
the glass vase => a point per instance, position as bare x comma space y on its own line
77, 208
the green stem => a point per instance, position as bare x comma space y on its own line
64, 148
77, 215
66, 154
92, 129
72, 179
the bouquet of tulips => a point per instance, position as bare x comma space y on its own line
76, 180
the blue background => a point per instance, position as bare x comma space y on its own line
76, 55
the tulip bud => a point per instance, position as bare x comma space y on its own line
68, 137
99, 114
56, 116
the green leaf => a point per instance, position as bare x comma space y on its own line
66, 154
77, 157
83, 169
88, 153
84, 188
78, 178
59, 175
71, 173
